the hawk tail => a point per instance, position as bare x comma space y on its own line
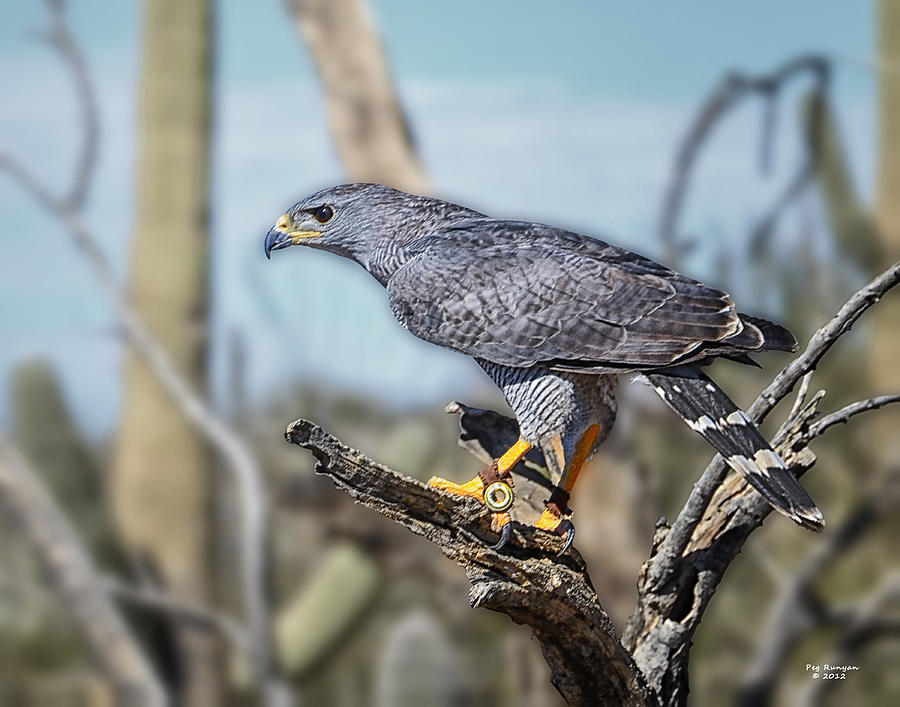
708, 410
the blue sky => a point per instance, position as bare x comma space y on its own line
566, 113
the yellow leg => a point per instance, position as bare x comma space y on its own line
475, 487
552, 515
512, 456
582, 450
549, 520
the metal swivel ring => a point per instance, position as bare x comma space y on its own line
498, 497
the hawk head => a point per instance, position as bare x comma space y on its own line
345, 219
360, 221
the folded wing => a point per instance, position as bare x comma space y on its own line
522, 293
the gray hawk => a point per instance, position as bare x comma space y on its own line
554, 318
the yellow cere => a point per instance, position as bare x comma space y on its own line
284, 223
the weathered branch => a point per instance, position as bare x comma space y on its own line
678, 581
554, 596
843, 415
60, 39
181, 610
823, 339
76, 581
367, 123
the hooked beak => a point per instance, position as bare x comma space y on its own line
280, 236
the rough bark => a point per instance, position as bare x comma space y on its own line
161, 488
553, 595
688, 561
367, 123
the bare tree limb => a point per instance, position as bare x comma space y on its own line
77, 583
822, 340
181, 610
845, 413
60, 39
800, 398
367, 123
554, 596
730, 92
678, 581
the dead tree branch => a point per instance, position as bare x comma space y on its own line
77, 583
181, 610
731, 91
60, 39
823, 339
680, 578
843, 415
554, 596
367, 122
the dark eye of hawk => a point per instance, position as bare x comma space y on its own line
323, 214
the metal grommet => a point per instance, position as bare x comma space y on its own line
498, 497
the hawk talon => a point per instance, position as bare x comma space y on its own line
552, 521
566, 526
505, 535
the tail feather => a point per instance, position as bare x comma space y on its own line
708, 410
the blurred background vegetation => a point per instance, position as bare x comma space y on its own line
196, 122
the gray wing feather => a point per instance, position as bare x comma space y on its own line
520, 293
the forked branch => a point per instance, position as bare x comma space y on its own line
554, 596
677, 583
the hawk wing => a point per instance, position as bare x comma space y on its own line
522, 293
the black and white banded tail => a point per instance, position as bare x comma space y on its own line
708, 410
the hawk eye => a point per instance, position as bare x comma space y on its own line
323, 214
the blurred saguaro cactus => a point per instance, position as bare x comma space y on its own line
162, 493
312, 623
885, 373
850, 219
49, 437
418, 666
